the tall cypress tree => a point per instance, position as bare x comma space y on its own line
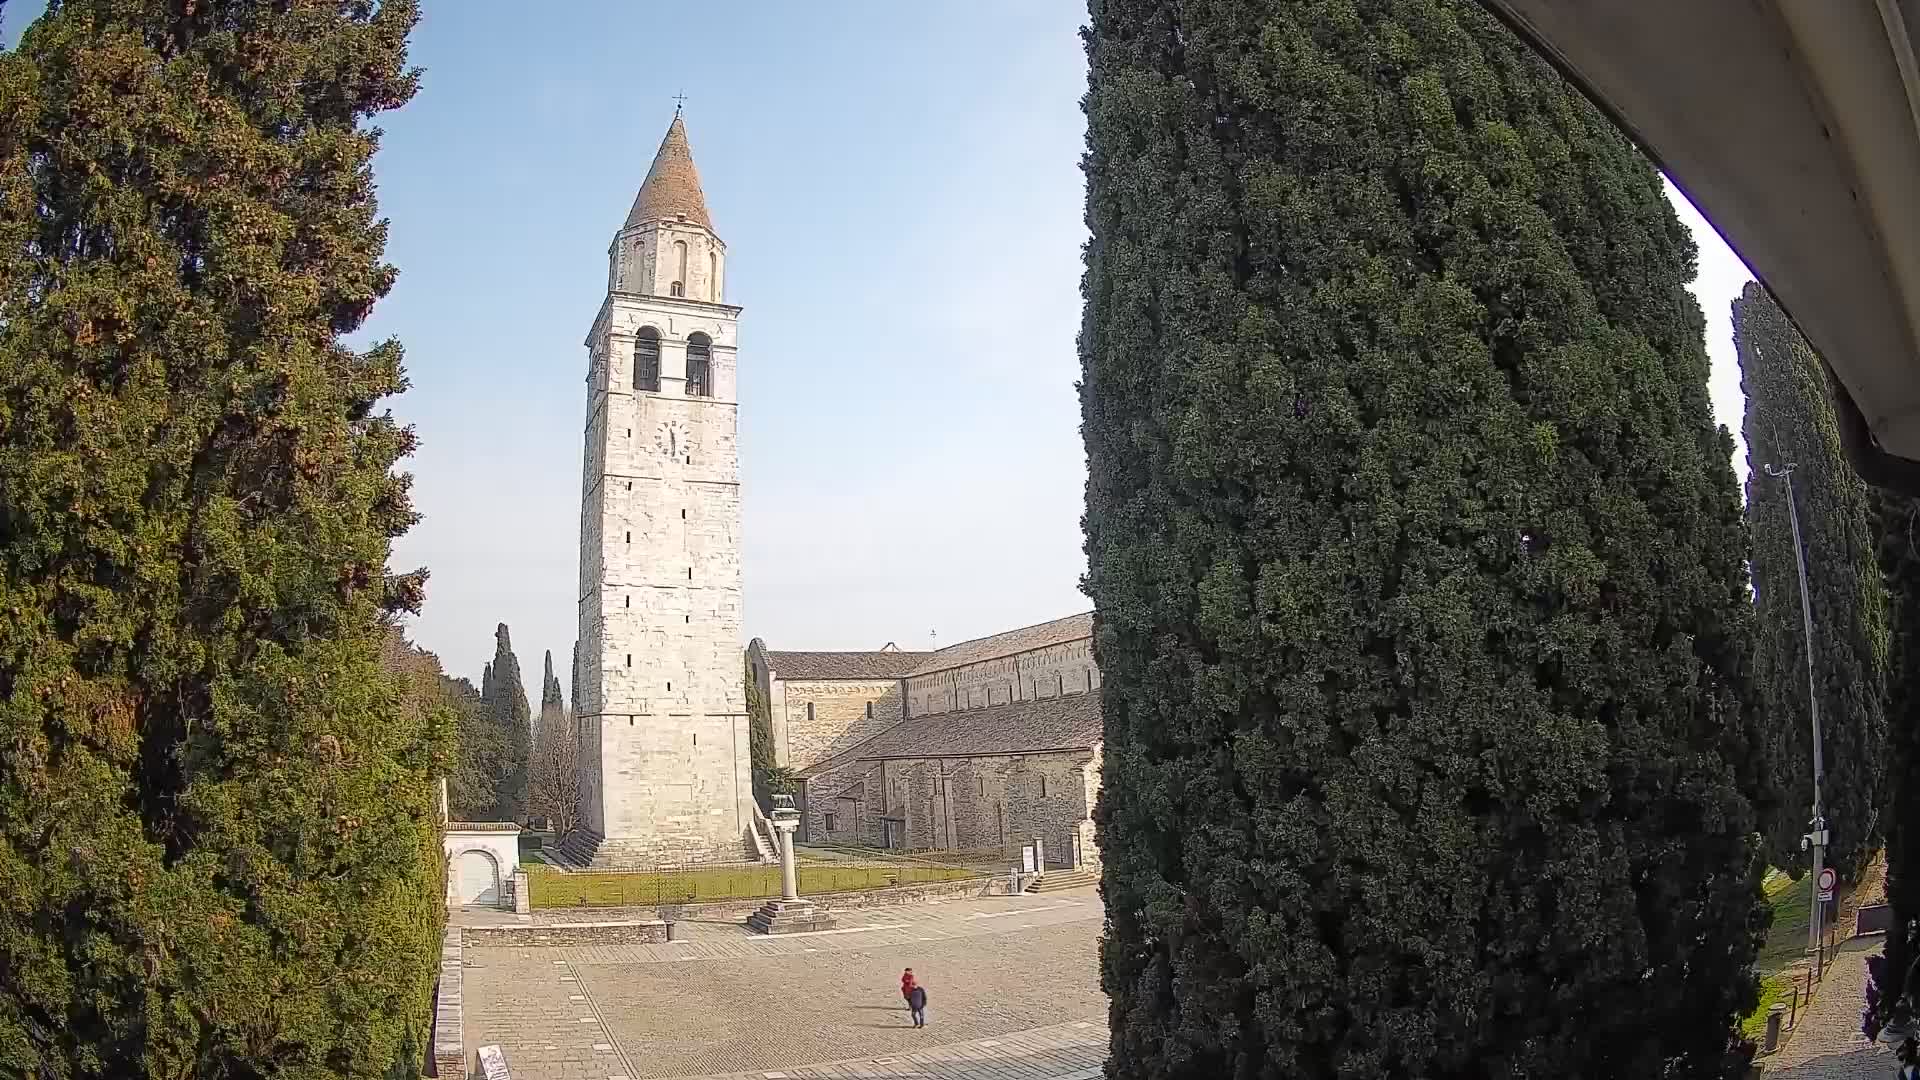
1790, 421
218, 843
1418, 563
1897, 527
513, 724
551, 700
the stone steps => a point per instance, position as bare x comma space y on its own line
1062, 880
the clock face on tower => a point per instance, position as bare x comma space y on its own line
671, 440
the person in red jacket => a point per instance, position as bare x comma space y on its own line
906, 987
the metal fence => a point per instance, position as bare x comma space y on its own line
708, 882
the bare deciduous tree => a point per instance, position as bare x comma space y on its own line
553, 782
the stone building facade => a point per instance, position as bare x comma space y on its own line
980, 746
660, 707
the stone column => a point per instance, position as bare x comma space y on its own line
789, 914
783, 828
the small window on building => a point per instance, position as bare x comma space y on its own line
629, 601
670, 690
629, 538
809, 712
683, 514
832, 821
646, 360
699, 366
1087, 675
1043, 787
629, 664
1060, 687
983, 786
869, 710
676, 289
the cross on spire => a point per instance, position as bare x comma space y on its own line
679, 102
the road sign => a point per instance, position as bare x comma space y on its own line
1827, 881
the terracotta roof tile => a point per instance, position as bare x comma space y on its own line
843, 665
1027, 638
1071, 722
672, 188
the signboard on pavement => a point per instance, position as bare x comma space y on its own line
1026, 859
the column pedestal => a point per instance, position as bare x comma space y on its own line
789, 917
789, 914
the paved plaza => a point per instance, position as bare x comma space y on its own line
1012, 983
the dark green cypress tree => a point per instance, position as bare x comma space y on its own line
1790, 421
512, 720
551, 703
1897, 525
218, 845
1418, 563
760, 755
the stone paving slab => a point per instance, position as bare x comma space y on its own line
996, 973
1072, 1051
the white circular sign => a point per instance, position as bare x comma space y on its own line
1826, 879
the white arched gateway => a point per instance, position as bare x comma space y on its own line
481, 859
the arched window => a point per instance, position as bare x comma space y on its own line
646, 360
679, 287
713, 277
699, 366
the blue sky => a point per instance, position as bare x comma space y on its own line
898, 185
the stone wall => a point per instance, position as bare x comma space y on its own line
962, 804
1038, 673
605, 932
821, 718
737, 910
661, 709
449, 1030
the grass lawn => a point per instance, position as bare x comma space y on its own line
1787, 937
1786, 943
552, 889
1777, 987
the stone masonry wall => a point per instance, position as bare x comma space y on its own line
963, 804
662, 708
822, 718
1038, 673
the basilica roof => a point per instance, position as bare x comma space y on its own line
1069, 722
672, 188
1025, 639
879, 664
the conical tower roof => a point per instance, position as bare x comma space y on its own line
672, 188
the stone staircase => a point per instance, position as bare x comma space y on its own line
1062, 880
760, 837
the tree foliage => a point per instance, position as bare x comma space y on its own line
759, 739
1790, 421
510, 721
1417, 558
218, 844
1897, 527
553, 775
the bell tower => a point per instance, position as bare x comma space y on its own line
662, 709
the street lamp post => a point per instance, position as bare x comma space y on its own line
1816, 839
